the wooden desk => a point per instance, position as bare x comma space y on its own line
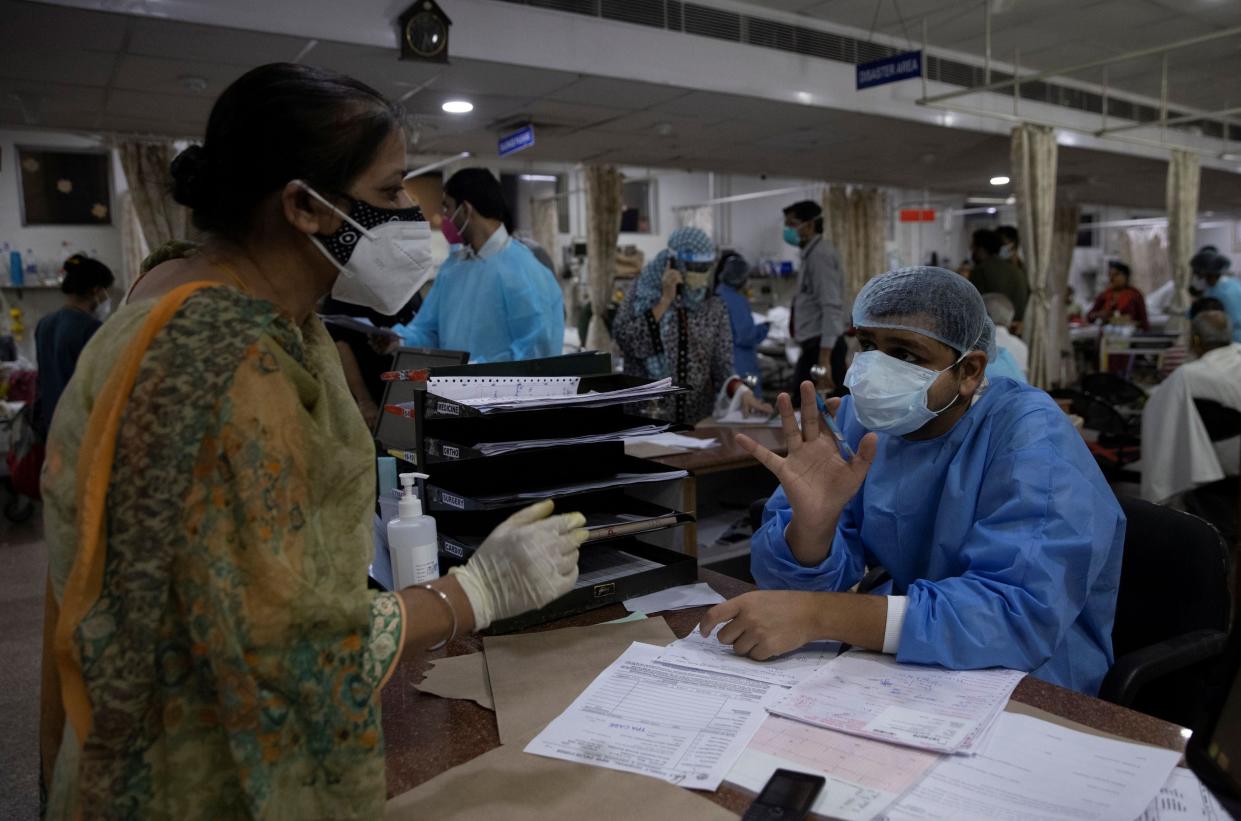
728, 455
426, 735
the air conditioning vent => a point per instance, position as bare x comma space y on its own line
704, 21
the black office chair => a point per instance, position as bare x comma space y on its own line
1118, 443
1113, 389
1172, 612
1219, 502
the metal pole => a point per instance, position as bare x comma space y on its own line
439, 164
924, 57
1016, 80
986, 27
1163, 99
1103, 125
1133, 55
1184, 118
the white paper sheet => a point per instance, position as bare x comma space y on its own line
674, 598
673, 440
685, 727
1034, 770
706, 653
872, 695
488, 393
1184, 798
864, 777
497, 448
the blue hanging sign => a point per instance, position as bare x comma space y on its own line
889, 70
517, 141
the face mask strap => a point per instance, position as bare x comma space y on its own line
312, 192
327, 254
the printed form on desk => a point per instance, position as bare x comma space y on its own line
682, 726
699, 652
1033, 770
873, 695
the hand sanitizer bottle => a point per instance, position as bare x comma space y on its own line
412, 541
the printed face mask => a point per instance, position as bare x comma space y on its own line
383, 254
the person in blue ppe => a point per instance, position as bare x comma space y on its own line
1002, 539
731, 274
491, 297
1212, 278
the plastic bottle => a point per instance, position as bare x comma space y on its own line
412, 542
32, 266
16, 274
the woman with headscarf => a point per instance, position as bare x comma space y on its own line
673, 325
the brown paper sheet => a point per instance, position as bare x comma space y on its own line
509, 784
463, 677
536, 676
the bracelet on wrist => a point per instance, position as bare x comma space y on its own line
452, 634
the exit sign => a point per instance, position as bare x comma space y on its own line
917, 215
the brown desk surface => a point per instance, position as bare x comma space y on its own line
728, 455
426, 735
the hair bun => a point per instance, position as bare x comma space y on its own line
189, 177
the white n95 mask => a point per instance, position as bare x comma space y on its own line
890, 395
381, 266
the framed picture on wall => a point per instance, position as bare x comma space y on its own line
64, 186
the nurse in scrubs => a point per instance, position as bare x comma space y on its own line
1002, 539
491, 297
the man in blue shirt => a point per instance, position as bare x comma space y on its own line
1213, 279
60, 336
1000, 534
491, 297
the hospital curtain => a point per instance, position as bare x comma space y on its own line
1183, 178
546, 217
1145, 249
146, 166
1062, 369
856, 224
603, 214
1033, 158
134, 248
697, 216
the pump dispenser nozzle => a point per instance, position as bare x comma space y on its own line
410, 505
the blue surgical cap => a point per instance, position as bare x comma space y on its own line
934, 302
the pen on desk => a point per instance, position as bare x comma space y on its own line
831, 425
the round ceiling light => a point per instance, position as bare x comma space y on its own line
999, 180
458, 106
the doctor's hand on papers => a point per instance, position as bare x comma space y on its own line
768, 623
816, 478
526, 562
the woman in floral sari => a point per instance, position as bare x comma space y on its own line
209, 485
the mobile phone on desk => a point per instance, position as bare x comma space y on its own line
788, 796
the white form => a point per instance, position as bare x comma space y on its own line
682, 726
674, 598
863, 776
706, 653
872, 695
1184, 798
1034, 770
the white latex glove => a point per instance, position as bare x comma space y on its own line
526, 562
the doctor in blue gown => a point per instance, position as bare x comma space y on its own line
1001, 536
491, 297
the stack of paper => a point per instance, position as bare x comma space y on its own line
682, 726
1034, 770
643, 431
489, 394
672, 440
622, 479
871, 695
707, 653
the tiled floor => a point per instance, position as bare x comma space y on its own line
23, 572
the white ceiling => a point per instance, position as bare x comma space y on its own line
1056, 33
90, 71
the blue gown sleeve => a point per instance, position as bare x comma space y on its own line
530, 324
1040, 543
774, 567
423, 331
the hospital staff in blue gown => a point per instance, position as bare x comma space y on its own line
1002, 539
732, 272
491, 297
